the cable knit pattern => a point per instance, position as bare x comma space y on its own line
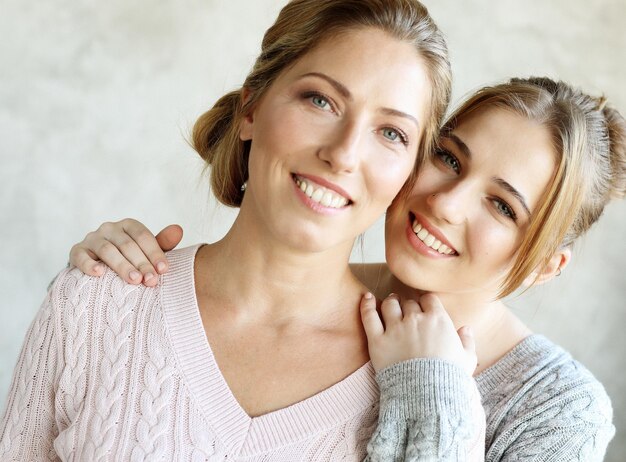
31, 360
117, 329
111, 371
542, 405
429, 411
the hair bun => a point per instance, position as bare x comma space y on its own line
616, 127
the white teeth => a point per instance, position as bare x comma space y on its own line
323, 196
327, 199
317, 195
430, 240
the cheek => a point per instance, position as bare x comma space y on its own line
281, 121
387, 176
428, 181
493, 244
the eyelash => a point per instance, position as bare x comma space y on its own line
442, 153
508, 210
502, 207
310, 95
403, 138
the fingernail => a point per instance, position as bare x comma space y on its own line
98, 268
368, 296
161, 267
148, 276
134, 275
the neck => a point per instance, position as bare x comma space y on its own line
496, 330
475, 310
262, 277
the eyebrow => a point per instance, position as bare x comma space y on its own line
509, 187
460, 144
341, 88
499, 181
343, 91
395, 112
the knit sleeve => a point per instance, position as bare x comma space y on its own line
571, 422
28, 426
429, 411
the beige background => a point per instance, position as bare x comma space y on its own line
96, 98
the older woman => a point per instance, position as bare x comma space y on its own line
321, 137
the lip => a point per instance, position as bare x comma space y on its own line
316, 206
419, 245
327, 184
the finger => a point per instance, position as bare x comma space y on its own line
85, 261
410, 308
149, 256
430, 303
391, 310
467, 339
369, 317
169, 237
133, 255
469, 345
110, 255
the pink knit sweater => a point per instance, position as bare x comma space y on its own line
111, 371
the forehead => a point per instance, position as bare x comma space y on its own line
508, 145
373, 65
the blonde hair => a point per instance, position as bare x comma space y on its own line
300, 26
589, 140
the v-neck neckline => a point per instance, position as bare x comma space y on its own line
239, 432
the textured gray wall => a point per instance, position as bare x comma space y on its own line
96, 98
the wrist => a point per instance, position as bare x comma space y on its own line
424, 386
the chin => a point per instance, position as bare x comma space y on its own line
405, 270
309, 239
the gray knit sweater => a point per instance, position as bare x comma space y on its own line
540, 405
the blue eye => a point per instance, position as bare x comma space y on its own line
395, 135
390, 134
448, 159
504, 209
321, 102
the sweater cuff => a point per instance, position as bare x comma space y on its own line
424, 387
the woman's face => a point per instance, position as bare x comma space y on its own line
334, 138
467, 213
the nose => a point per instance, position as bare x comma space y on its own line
341, 150
450, 203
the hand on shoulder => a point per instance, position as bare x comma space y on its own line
128, 248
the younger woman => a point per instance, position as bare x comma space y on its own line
522, 170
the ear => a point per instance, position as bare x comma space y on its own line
555, 266
245, 128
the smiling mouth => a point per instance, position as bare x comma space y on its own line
323, 196
428, 239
